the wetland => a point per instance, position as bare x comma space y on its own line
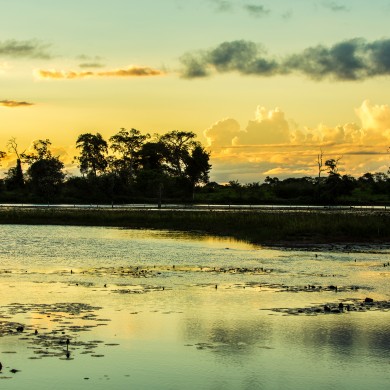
97, 307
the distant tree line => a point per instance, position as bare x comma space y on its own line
331, 189
371, 189
127, 168
131, 167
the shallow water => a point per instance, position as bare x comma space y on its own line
198, 312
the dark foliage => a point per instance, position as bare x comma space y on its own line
173, 167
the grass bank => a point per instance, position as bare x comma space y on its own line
262, 227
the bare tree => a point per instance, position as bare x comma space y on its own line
15, 177
13, 147
321, 168
320, 164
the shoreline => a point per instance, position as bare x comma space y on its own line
275, 228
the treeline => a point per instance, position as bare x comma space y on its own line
371, 189
331, 189
129, 167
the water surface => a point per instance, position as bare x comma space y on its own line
165, 310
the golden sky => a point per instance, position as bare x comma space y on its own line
265, 84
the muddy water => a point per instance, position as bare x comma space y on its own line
84, 307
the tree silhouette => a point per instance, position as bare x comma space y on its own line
14, 179
127, 144
178, 146
93, 150
332, 165
184, 158
45, 172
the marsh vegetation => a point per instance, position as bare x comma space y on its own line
264, 227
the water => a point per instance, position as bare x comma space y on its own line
186, 318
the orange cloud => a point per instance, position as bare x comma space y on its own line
132, 71
269, 127
13, 103
222, 132
375, 121
272, 145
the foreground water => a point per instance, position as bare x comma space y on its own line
164, 310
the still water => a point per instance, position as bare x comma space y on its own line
98, 308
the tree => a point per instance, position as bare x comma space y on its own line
127, 144
333, 184
15, 179
46, 176
45, 173
13, 147
332, 165
41, 151
151, 177
184, 158
236, 187
2, 155
197, 167
151, 156
177, 147
272, 181
321, 169
320, 164
93, 150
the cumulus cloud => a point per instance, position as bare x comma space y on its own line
270, 144
375, 121
269, 127
24, 49
133, 71
256, 10
325, 135
222, 133
354, 59
13, 103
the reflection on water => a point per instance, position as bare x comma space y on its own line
164, 310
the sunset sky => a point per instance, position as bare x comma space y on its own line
264, 84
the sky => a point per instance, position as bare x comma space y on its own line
266, 85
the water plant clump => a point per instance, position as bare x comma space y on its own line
341, 307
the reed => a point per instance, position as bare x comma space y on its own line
262, 227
